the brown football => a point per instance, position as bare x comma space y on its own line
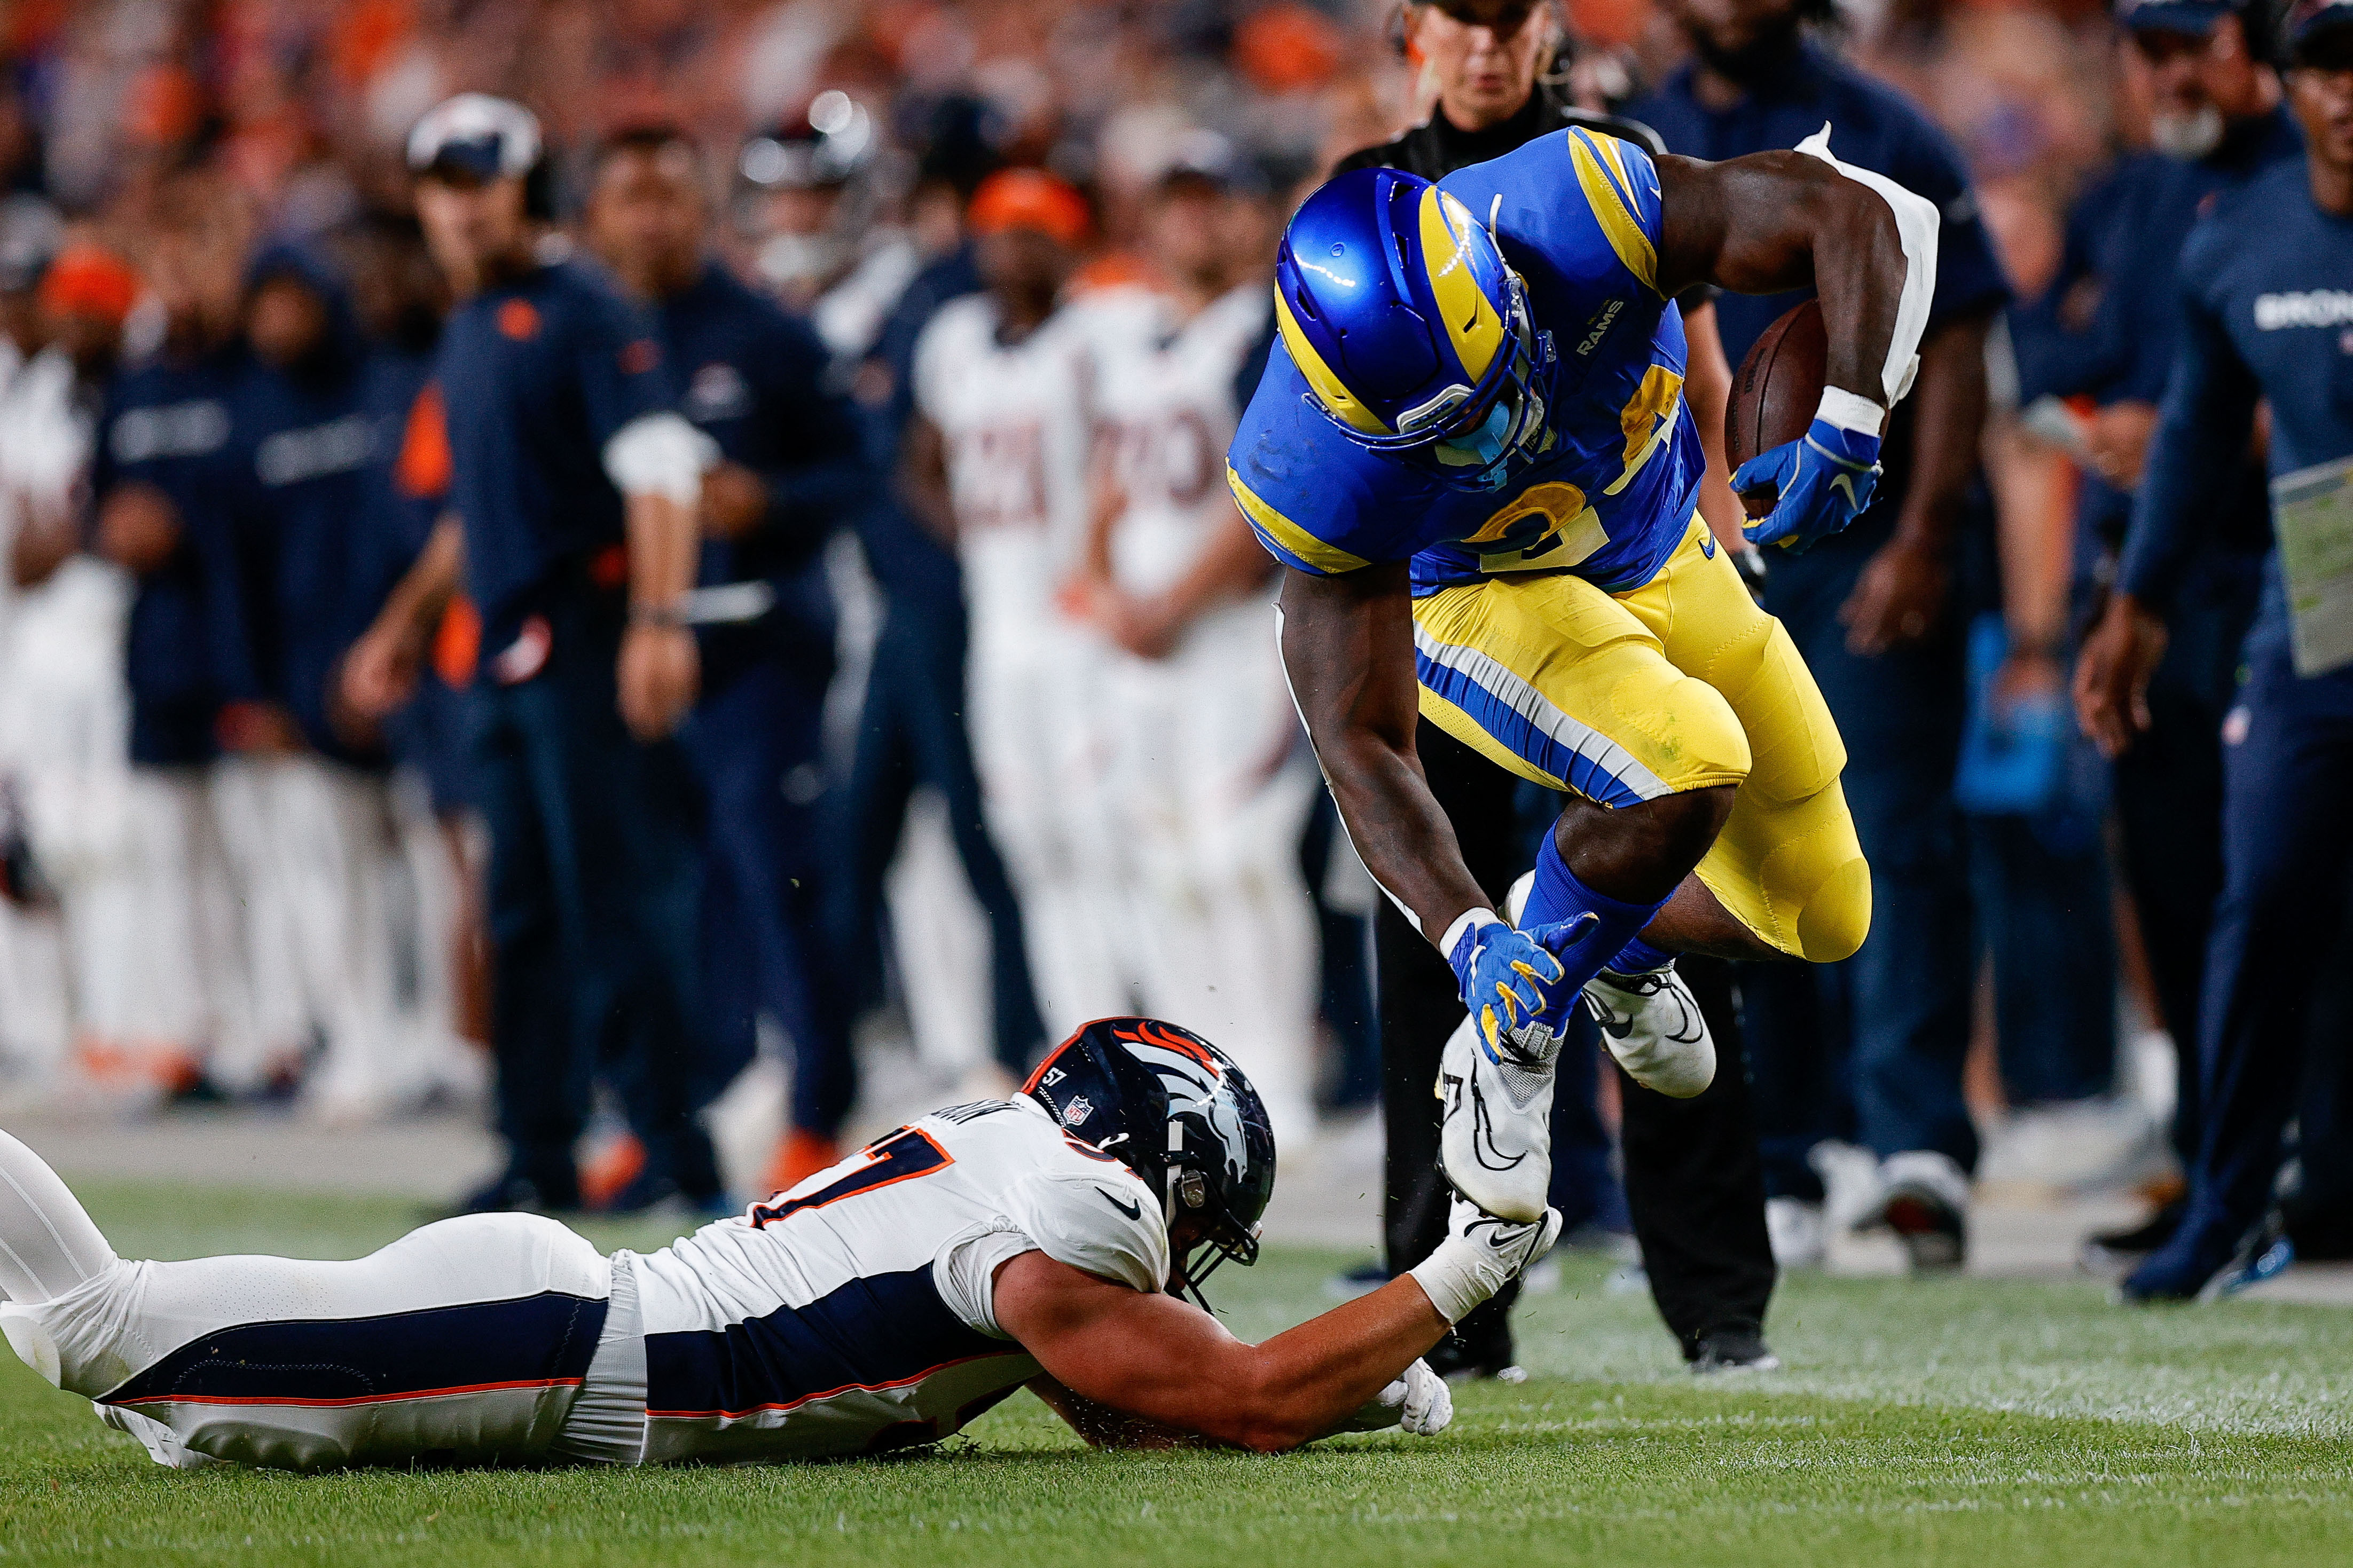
1776, 391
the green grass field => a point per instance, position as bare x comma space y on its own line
1999, 1426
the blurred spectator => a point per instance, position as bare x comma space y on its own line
2106, 331
322, 825
1871, 611
2262, 322
580, 572
1211, 782
995, 461
910, 732
789, 474
214, 987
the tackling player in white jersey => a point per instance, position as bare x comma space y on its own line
881, 1304
1211, 787
997, 459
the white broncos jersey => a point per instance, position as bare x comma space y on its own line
1163, 394
855, 1313
1016, 426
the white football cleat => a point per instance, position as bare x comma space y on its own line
1494, 1133
1652, 1024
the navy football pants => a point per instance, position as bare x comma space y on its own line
756, 745
595, 887
2287, 850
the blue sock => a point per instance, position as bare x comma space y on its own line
1558, 894
1638, 957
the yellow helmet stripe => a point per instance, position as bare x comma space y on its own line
1280, 530
1608, 147
1611, 209
1329, 390
1471, 324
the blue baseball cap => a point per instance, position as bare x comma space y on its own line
2194, 16
2309, 19
486, 137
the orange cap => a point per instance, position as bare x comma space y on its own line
1029, 198
90, 281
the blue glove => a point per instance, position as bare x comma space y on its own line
1824, 478
1508, 980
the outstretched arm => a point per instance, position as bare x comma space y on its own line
1151, 1369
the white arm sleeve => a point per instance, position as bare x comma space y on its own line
659, 455
1915, 225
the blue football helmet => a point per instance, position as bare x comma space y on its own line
1411, 331
1175, 1109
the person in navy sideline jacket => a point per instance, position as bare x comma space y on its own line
166, 478
752, 378
2106, 328
316, 421
400, 298
1870, 610
575, 484
2265, 283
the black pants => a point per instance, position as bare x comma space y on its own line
1694, 1184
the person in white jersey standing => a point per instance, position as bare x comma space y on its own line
1210, 786
997, 462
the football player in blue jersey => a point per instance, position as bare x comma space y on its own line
1471, 456
1045, 1240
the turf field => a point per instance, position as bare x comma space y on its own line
1995, 1425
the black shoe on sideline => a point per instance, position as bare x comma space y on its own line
516, 1194
2112, 1252
1480, 1346
1737, 1348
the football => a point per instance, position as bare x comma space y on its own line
1776, 391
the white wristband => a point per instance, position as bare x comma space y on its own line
1457, 1277
1852, 411
1469, 917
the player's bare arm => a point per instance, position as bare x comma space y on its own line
1347, 643
923, 479
1174, 1367
1773, 221
380, 671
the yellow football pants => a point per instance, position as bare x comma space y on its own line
1680, 684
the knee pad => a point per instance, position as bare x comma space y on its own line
1837, 916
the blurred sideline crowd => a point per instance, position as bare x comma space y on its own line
341, 421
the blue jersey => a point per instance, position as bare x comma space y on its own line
2266, 316
1576, 215
752, 379
168, 423
538, 373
